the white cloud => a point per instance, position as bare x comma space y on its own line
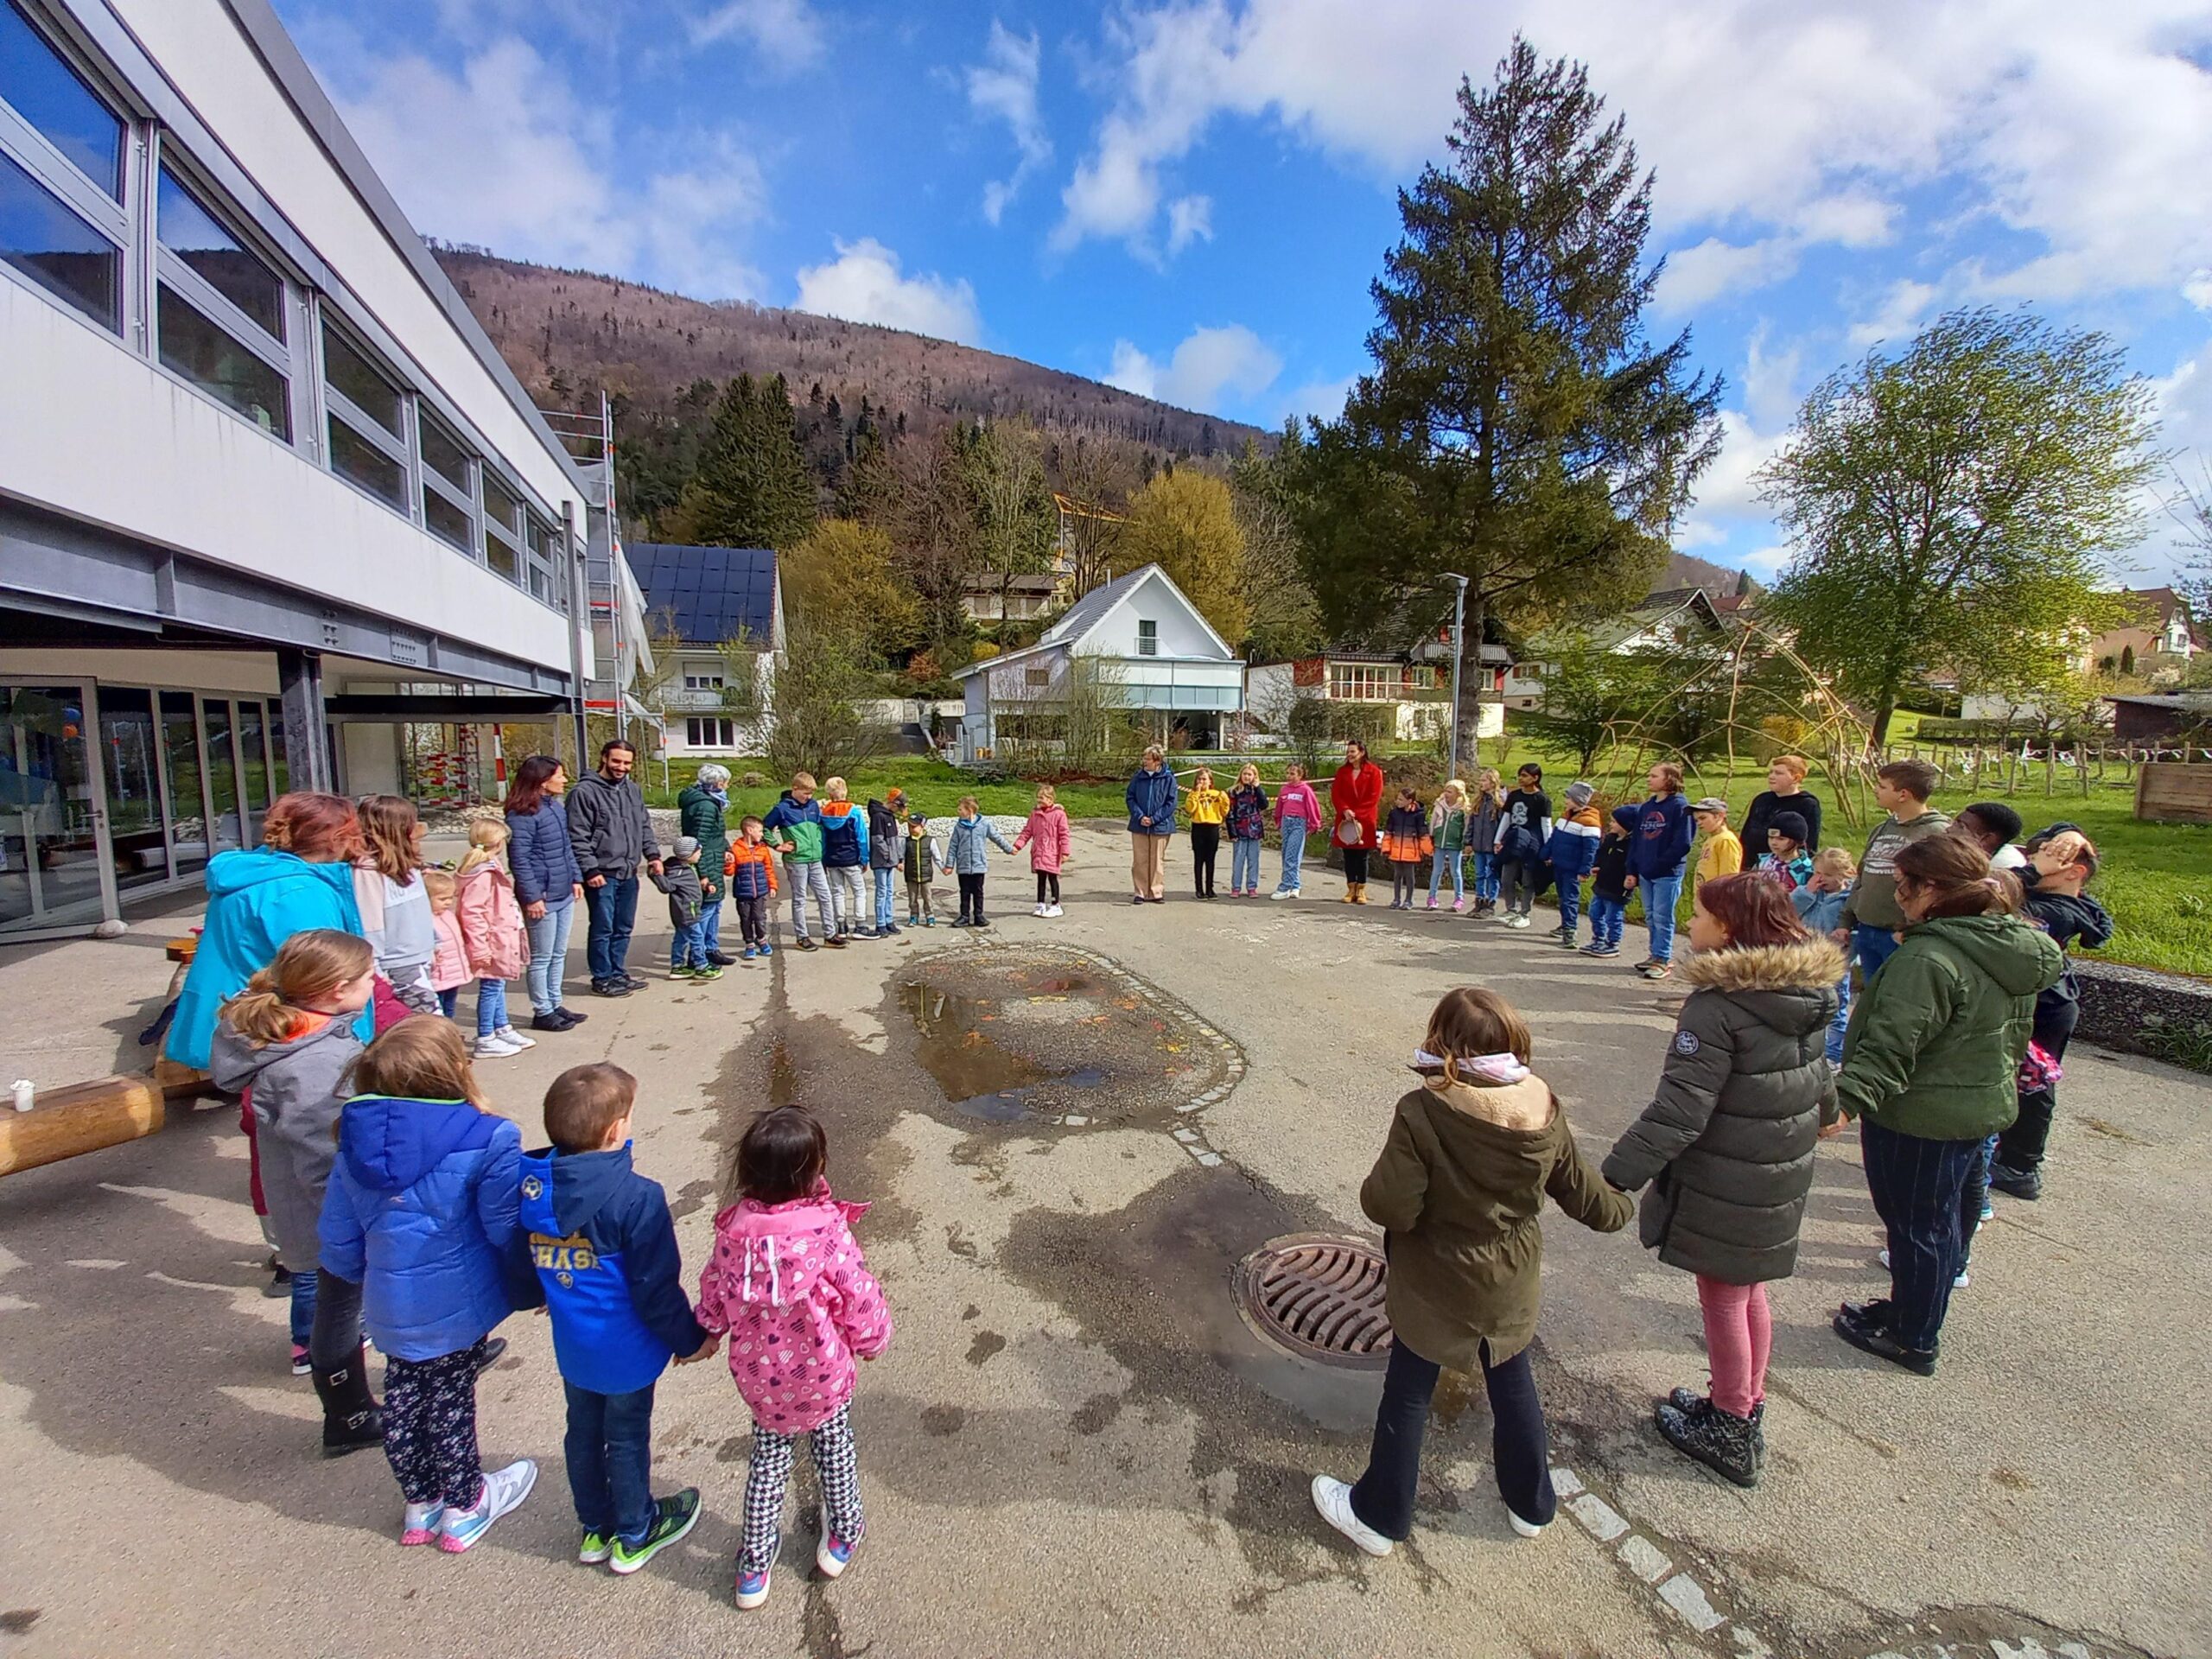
1005, 85
2197, 289
2086, 127
1190, 219
863, 284
1323, 399
503, 151
787, 34
1770, 380
1208, 365
1898, 319
1715, 269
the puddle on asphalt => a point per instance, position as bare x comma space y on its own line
1012, 1037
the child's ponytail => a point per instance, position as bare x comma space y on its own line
311, 966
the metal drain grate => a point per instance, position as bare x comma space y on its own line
1317, 1295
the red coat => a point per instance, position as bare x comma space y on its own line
1359, 791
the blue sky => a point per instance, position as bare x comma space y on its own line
1190, 198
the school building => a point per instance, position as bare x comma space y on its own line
267, 491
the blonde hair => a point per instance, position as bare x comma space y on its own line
968, 803
442, 887
1045, 796
1473, 1020
1836, 861
1203, 779
835, 790
421, 1058
388, 825
312, 965
1154, 752
1488, 783
487, 838
1247, 774
1453, 786
802, 780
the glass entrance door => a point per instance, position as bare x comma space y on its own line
50, 831
138, 811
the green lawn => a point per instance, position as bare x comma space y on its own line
2153, 879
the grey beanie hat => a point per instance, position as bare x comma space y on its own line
687, 846
1579, 794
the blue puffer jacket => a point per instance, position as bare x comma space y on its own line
421, 1213
538, 852
1662, 840
257, 899
1151, 794
965, 850
844, 837
604, 1246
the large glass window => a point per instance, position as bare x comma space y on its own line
444, 455
444, 518
368, 422
499, 554
187, 805
209, 357
131, 755
501, 507
222, 774
362, 382
196, 237
57, 250
353, 456
43, 90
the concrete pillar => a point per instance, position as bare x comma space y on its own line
306, 746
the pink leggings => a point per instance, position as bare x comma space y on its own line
1738, 1338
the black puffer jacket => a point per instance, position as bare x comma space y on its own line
1728, 1142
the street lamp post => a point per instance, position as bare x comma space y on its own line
1459, 622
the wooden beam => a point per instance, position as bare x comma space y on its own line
81, 1117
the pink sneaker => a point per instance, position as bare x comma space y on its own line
1431, 904
1458, 905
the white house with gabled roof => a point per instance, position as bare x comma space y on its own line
1147, 643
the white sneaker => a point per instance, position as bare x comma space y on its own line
504, 1491
1964, 1279
517, 1038
1054, 910
1333, 1498
1282, 892
1526, 1529
493, 1047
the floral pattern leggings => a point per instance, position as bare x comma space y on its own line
429, 1429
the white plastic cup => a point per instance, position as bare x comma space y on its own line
24, 1092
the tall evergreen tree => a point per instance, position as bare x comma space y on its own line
753, 488
1518, 428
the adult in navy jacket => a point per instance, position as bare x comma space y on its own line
1658, 848
1151, 800
548, 882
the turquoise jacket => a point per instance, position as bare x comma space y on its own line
257, 899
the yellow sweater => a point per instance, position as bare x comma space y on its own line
1723, 855
1207, 805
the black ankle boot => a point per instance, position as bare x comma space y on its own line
350, 1418
1721, 1441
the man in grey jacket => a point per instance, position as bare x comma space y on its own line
611, 835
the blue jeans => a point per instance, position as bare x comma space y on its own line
1918, 1187
1570, 906
491, 1006
1661, 895
1443, 859
449, 1000
1874, 945
303, 1288
1294, 854
689, 949
1842, 1020
610, 1451
1486, 878
1608, 916
883, 898
614, 907
710, 924
1244, 864
549, 953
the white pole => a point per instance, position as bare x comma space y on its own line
1458, 623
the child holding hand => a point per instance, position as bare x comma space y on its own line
967, 859
1726, 1147
1473, 1154
788, 1284
1047, 838
1406, 843
449, 955
493, 932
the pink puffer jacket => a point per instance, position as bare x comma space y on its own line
789, 1285
491, 924
1046, 836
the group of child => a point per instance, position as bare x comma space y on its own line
409, 1212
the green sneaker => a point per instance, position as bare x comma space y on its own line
672, 1518
709, 972
595, 1549
684, 973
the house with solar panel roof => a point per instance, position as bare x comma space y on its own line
1144, 644
698, 601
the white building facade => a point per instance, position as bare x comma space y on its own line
266, 488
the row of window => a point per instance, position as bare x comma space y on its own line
1377, 683
225, 319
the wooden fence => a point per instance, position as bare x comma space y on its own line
2077, 767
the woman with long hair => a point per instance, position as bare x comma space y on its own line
548, 882
1931, 1067
395, 906
298, 878
1355, 799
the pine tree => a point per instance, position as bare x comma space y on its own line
1518, 429
751, 488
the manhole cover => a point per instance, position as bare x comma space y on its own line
1319, 1295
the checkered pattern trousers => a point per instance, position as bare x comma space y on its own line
836, 1465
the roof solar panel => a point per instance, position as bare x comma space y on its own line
711, 592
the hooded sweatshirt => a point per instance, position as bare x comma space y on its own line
788, 1283
1664, 833
882, 836
686, 896
844, 837
608, 828
604, 1245
257, 898
1726, 1143
420, 1212
795, 828
1936, 1039
292, 1089
1609, 873
1573, 849
1873, 901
